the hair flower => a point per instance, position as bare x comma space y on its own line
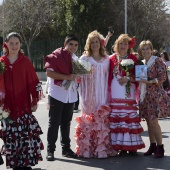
132, 42
5, 45
102, 42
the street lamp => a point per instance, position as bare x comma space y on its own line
3, 21
125, 16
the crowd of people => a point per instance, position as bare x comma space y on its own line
112, 102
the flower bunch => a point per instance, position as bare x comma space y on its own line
2, 67
3, 114
79, 67
168, 69
127, 65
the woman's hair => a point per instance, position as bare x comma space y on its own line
142, 44
122, 38
156, 53
90, 37
166, 56
10, 35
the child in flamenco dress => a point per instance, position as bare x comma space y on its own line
21, 135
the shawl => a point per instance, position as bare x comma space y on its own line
149, 64
60, 61
20, 82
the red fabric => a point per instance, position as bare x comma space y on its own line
60, 61
128, 148
20, 86
2, 89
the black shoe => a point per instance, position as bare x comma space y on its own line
27, 168
69, 153
18, 168
133, 153
50, 156
123, 153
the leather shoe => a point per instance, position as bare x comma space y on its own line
50, 156
69, 153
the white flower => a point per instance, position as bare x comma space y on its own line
168, 68
5, 114
85, 64
127, 62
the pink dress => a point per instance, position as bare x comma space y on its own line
124, 120
92, 132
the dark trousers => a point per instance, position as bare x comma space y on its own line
60, 114
76, 104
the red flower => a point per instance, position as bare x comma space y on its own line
132, 42
102, 42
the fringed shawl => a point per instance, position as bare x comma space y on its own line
20, 82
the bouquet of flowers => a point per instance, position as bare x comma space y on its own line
79, 67
127, 65
168, 69
3, 114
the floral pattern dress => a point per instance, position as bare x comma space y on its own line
156, 102
124, 120
92, 132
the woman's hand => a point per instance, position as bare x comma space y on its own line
78, 79
144, 81
123, 80
34, 108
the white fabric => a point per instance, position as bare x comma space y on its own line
126, 139
119, 91
93, 86
149, 64
59, 93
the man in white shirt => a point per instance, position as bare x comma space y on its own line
61, 101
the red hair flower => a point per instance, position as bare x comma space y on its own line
102, 42
5, 45
132, 42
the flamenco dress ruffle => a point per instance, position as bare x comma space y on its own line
92, 134
22, 142
125, 125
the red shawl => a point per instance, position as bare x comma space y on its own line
60, 61
20, 81
114, 62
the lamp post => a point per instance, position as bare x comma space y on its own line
3, 21
125, 16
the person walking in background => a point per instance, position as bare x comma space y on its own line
154, 101
165, 57
21, 135
92, 132
124, 120
61, 101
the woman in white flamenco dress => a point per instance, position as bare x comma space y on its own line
92, 132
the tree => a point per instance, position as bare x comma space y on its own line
28, 18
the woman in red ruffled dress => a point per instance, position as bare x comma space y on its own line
92, 132
22, 92
124, 120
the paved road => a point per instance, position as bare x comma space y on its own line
113, 163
